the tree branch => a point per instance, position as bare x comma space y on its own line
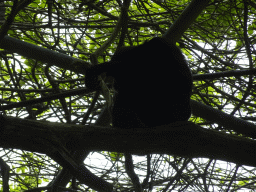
181, 138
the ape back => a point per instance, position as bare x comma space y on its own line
153, 84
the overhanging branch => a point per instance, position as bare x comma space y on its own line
42, 54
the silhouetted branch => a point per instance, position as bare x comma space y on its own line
181, 138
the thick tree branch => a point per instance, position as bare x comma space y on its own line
42, 54
187, 17
181, 138
228, 121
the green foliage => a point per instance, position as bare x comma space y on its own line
214, 43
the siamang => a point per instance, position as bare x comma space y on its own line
153, 84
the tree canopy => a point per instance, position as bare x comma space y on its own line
56, 134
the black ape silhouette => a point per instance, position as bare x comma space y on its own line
153, 84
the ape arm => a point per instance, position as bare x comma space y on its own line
92, 73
